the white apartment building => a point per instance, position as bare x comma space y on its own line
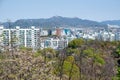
107, 36
30, 37
21, 37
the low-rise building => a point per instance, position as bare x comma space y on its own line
54, 43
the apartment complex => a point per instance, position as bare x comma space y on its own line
56, 38
30, 37
20, 37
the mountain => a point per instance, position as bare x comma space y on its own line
55, 21
112, 22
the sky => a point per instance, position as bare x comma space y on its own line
96, 10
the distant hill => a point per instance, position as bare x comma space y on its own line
56, 21
112, 22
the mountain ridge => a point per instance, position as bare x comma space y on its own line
56, 21
112, 22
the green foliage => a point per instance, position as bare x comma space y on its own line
2, 56
38, 53
67, 67
88, 59
70, 59
22, 48
117, 77
48, 52
118, 50
99, 60
71, 51
116, 53
76, 43
90, 53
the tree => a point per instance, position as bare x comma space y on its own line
76, 43
48, 53
26, 67
95, 60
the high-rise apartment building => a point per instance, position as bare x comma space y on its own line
20, 37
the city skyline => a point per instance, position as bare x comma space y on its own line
34, 9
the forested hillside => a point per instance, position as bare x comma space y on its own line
81, 60
56, 21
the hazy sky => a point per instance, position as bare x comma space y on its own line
97, 10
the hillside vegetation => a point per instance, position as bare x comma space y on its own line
81, 60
